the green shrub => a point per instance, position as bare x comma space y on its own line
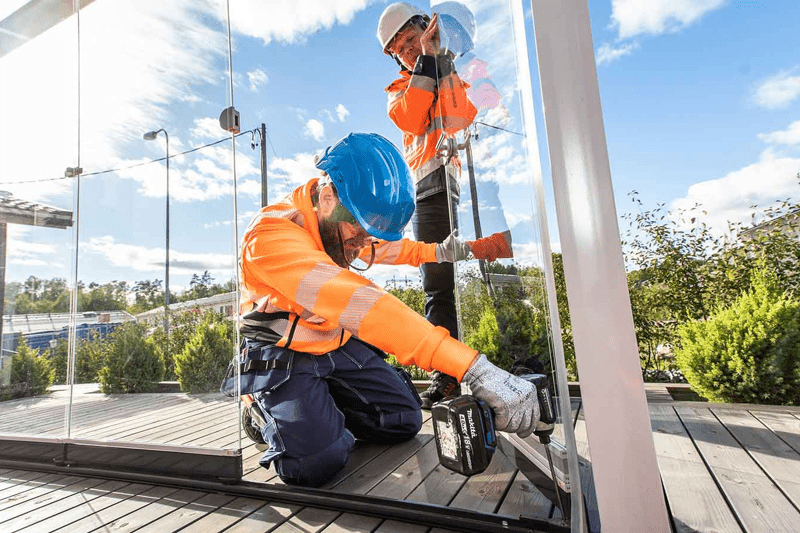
202, 363
182, 327
132, 363
31, 373
485, 338
748, 352
88, 358
414, 371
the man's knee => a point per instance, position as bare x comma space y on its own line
384, 428
315, 469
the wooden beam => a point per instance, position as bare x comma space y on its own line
33, 19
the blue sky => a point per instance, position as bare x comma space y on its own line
701, 103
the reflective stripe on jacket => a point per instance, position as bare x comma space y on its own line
423, 115
284, 268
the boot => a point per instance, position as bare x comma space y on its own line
442, 386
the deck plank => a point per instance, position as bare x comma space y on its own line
694, 498
191, 512
225, 516
757, 502
108, 515
484, 492
86, 508
784, 425
524, 499
368, 476
264, 518
153, 511
776, 458
60, 503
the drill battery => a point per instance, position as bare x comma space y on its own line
463, 428
464, 432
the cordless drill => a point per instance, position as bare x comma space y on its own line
464, 432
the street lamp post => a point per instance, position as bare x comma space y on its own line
150, 136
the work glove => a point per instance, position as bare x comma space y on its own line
513, 400
452, 249
495, 246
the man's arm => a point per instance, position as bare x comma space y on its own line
282, 258
410, 105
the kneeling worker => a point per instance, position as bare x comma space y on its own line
314, 332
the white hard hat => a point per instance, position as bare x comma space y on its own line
392, 19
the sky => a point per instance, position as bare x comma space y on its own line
701, 104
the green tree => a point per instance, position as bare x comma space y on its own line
132, 363
147, 295
202, 363
31, 374
183, 326
413, 297
748, 352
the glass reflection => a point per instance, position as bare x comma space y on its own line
37, 219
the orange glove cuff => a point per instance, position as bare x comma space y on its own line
495, 246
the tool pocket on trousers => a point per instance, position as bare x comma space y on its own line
266, 368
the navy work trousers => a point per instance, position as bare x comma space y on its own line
319, 405
432, 224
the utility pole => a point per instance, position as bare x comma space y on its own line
264, 195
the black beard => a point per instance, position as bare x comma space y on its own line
331, 242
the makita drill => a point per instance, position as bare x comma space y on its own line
464, 431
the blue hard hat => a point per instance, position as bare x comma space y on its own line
373, 182
457, 23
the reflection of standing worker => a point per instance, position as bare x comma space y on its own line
314, 333
429, 100
458, 23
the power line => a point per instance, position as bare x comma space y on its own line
498, 128
128, 167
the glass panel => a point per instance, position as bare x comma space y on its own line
501, 298
37, 224
156, 233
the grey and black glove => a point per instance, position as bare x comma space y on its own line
513, 400
452, 249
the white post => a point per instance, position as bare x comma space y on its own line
626, 477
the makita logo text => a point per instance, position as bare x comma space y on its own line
472, 431
467, 442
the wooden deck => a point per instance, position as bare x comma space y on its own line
725, 468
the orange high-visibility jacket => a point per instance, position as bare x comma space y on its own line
284, 268
423, 115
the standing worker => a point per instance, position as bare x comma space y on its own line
314, 333
428, 103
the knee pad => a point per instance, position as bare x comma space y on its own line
317, 469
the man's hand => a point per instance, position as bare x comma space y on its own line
452, 249
513, 400
429, 40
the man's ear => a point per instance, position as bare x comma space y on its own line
327, 201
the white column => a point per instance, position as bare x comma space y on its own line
629, 493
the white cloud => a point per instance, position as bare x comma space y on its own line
162, 51
637, 17
21, 250
145, 259
314, 129
208, 129
608, 53
286, 174
290, 22
257, 78
730, 198
778, 91
790, 135
341, 112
